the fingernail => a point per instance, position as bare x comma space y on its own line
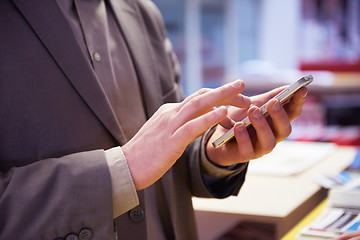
276, 107
256, 113
306, 93
237, 83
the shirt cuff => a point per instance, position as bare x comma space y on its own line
213, 169
123, 189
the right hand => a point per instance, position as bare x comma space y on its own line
265, 134
164, 137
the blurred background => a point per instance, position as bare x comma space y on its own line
269, 43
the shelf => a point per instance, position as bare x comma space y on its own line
338, 83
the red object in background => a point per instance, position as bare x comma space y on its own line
344, 136
333, 66
348, 141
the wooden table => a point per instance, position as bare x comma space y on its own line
278, 200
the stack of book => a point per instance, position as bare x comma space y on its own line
341, 215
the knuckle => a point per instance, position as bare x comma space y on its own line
186, 130
298, 111
166, 112
245, 100
221, 90
288, 131
195, 102
269, 146
202, 91
167, 107
248, 156
285, 133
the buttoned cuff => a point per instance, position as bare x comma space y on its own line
123, 189
212, 169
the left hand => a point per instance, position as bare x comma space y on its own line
265, 134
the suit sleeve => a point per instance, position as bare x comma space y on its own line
74, 191
207, 185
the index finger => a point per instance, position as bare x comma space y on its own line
261, 99
198, 104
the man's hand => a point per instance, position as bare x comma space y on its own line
164, 137
264, 135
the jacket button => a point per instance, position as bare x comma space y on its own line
85, 234
97, 56
72, 236
136, 214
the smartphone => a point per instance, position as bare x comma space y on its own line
282, 97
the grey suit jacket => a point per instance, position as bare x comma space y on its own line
55, 121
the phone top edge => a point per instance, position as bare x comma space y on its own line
306, 80
286, 93
309, 78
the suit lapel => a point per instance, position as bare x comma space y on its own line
46, 19
133, 29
